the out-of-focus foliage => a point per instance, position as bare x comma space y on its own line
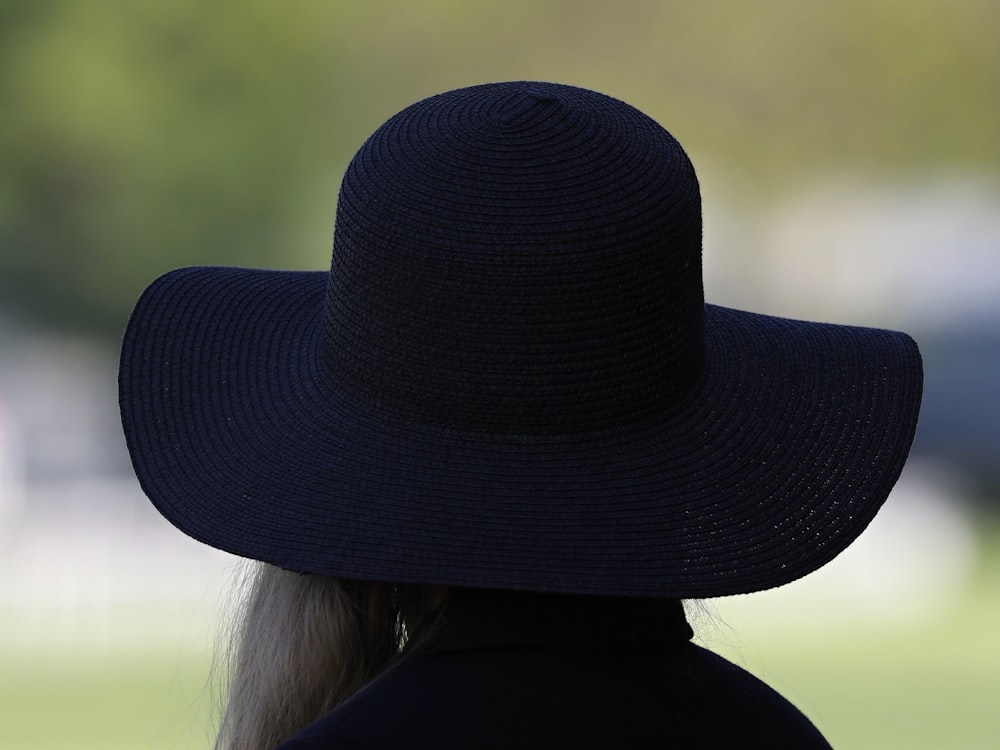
139, 135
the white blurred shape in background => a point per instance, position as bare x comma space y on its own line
924, 255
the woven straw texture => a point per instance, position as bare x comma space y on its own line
509, 378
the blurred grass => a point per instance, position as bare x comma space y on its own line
927, 685
133, 701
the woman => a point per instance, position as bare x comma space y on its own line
484, 458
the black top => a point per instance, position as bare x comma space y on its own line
487, 684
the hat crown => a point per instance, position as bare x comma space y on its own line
517, 258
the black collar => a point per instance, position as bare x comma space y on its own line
498, 630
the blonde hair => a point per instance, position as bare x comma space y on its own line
299, 646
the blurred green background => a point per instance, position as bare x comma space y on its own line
139, 135
832, 138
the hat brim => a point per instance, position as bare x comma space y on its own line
778, 462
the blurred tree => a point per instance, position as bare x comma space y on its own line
139, 135
147, 135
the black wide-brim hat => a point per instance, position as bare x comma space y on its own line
509, 377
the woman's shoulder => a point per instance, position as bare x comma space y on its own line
466, 691
755, 714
